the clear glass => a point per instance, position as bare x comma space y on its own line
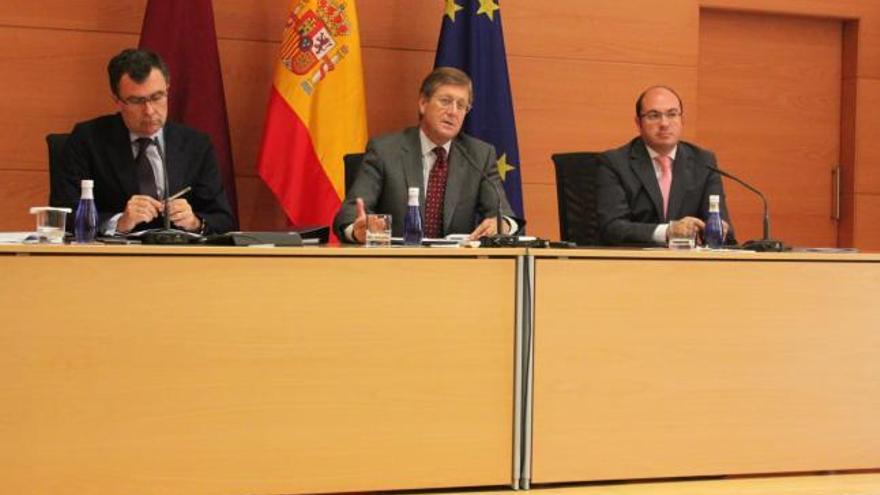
51, 223
378, 230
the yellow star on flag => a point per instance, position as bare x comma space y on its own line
451, 9
503, 166
488, 7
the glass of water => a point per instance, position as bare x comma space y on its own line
378, 230
51, 223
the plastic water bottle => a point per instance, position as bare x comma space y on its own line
714, 235
412, 223
85, 225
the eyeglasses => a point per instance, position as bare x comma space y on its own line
655, 116
447, 102
154, 98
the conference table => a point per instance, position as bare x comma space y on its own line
136, 369
202, 370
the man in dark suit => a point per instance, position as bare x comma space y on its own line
656, 186
451, 170
122, 153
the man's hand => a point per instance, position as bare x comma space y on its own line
685, 227
181, 214
725, 227
489, 226
359, 230
139, 209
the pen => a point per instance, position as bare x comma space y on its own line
179, 193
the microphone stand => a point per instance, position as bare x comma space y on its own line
498, 239
766, 244
165, 235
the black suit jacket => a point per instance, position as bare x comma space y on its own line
393, 163
100, 149
629, 199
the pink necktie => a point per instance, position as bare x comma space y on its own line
665, 180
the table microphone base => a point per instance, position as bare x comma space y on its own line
166, 237
765, 246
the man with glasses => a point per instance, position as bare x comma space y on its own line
124, 153
657, 187
451, 170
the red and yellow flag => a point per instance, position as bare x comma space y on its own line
317, 110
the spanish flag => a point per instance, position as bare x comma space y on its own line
317, 110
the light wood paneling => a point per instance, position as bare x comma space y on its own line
19, 190
541, 210
867, 235
51, 79
583, 106
257, 207
775, 125
575, 68
740, 376
79, 15
635, 31
867, 170
259, 383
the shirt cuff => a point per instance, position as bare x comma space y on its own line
109, 227
659, 236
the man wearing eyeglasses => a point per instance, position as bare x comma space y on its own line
657, 187
451, 170
123, 154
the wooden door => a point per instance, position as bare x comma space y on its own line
769, 105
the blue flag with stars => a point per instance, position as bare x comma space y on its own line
471, 40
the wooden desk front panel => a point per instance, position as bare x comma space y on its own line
236, 374
662, 368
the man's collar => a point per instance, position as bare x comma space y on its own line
160, 134
653, 154
428, 145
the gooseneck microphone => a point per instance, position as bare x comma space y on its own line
166, 235
499, 217
766, 244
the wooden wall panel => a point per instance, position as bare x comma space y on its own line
247, 78
78, 15
583, 105
19, 190
50, 80
775, 125
575, 68
867, 235
541, 209
867, 171
632, 31
257, 207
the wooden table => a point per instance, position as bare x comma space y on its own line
662, 364
244, 370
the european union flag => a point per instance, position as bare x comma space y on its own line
471, 40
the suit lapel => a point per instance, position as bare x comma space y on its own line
682, 176
174, 159
640, 162
411, 162
455, 181
122, 159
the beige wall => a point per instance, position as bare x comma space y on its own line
575, 65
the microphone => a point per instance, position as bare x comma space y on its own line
165, 235
766, 244
498, 239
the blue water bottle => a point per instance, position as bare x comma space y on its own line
714, 235
85, 225
412, 223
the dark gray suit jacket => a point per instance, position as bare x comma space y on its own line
393, 163
100, 150
629, 200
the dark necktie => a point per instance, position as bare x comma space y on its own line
146, 178
435, 194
